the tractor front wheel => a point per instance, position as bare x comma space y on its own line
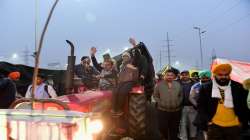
137, 115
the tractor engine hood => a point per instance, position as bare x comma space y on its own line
89, 101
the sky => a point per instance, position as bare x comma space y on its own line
107, 25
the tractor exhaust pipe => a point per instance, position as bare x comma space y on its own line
70, 69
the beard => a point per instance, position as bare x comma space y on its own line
222, 82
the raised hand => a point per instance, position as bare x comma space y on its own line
132, 41
93, 50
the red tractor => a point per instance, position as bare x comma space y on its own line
99, 102
96, 101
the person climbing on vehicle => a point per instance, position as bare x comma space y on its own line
150, 75
127, 77
87, 73
140, 62
43, 90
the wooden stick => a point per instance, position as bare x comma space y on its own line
37, 54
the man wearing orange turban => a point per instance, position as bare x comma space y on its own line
14, 75
226, 68
222, 105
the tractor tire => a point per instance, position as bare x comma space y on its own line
137, 116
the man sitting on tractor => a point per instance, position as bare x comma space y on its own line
87, 73
108, 76
106, 57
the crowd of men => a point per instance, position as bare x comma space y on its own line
213, 108
206, 105
202, 105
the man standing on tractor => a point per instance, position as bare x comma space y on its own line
127, 77
87, 73
140, 62
149, 79
169, 98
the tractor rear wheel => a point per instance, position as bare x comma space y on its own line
137, 115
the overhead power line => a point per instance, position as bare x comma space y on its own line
234, 22
218, 5
215, 17
223, 14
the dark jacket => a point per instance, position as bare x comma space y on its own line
147, 55
207, 105
149, 78
186, 88
140, 62
87, 76
97, 65
7, 92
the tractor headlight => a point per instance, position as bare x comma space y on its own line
94, 126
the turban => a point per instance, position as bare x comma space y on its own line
221, 67
205, 73
14, 75
194, 74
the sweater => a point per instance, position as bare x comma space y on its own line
168, 99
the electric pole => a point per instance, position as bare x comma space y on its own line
160, 61
214, 56
201, 52
26, 55
168, 49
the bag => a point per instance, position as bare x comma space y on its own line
45, 89
128, 74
